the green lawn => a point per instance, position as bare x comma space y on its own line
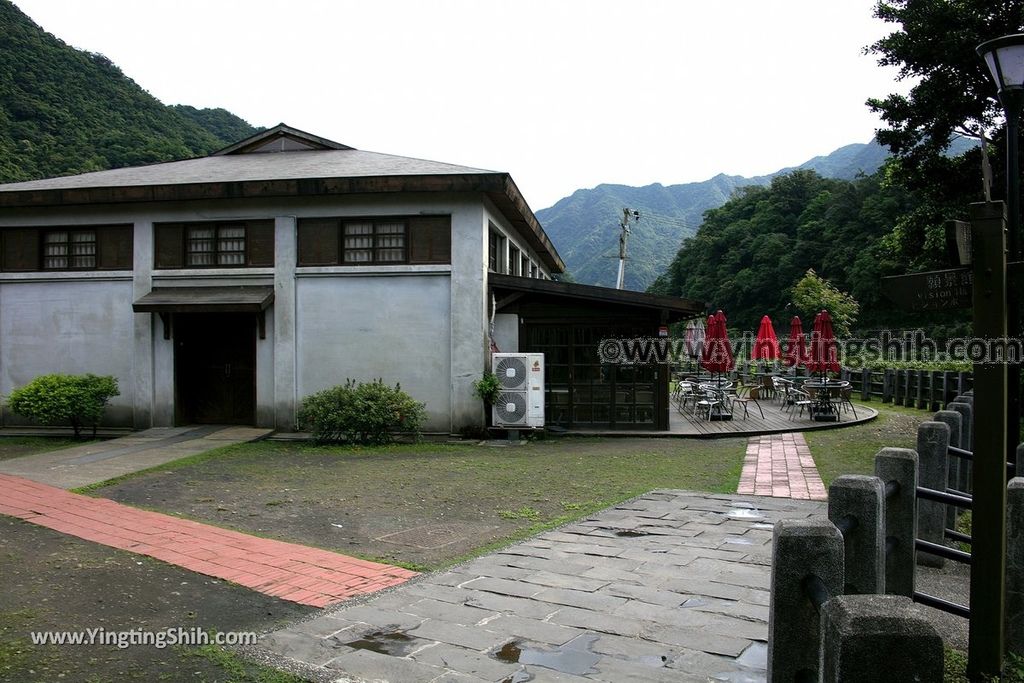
851, 450
355, 499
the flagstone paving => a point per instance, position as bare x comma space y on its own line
297, 573
671, 586
781, 465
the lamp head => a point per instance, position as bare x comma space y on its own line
1005, 59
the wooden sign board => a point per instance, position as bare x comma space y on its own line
936, 290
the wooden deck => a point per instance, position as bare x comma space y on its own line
776, 420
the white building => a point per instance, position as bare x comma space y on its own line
226, 288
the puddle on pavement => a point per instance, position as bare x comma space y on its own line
754, 657
762, 525
521, 676
745, 513
628, 533
394, 643
695, 602
752, 663
575, 657
738, 540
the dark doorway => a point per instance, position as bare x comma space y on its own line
215, 368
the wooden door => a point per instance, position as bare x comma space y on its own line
215, 368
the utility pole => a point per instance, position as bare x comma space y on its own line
627, 216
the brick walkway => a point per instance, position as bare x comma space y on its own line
285, 570
780, 465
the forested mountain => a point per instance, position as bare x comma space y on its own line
65, 111
750, 252
585, 226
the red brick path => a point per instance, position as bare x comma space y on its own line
780, 465
288, 571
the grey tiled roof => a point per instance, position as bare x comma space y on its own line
345, 163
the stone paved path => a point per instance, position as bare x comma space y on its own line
98, 461
309, 576
780, 465
672, 586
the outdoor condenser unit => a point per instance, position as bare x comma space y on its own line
520, 403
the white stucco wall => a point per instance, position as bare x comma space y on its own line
396, 328
55, 323
423, 326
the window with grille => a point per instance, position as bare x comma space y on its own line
374, 242
69, 250
215, 245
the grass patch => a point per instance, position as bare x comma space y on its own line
851, 450
234, 669
356, 499
955, 670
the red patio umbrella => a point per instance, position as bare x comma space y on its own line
796, 348
717, 354
823, 345
766, 346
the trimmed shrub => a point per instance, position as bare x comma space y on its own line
365, 413
76, 400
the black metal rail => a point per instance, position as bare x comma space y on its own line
943, 497
944, 605
942, 551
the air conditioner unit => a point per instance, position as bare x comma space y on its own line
520, 403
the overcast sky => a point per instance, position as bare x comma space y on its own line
563, 94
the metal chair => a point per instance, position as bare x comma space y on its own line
747, 395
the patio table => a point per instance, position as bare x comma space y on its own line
824, 409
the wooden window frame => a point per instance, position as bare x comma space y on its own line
216, 252
497, 260
68, 244
514, 255
374, 247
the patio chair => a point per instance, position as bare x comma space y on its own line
768, 386
686, 393
845, 394
800, 399
782, 388
745, 396
707, 401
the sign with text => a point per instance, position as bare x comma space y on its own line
936, 290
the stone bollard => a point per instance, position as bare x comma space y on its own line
966, 411
899, 465
1015, 565
932, 458
878, 638
956, 465
855, 507
801, 549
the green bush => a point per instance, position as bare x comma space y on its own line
77, 400
488, 388
366, 413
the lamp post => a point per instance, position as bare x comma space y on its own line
998, 387
1005, 59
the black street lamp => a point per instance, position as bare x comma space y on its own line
1005, 59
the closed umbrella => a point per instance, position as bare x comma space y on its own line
694, 338
717, 354
796, 348
766, 346
824, 355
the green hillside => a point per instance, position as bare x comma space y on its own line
65, 111
585, 225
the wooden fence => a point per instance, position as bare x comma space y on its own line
924, 389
